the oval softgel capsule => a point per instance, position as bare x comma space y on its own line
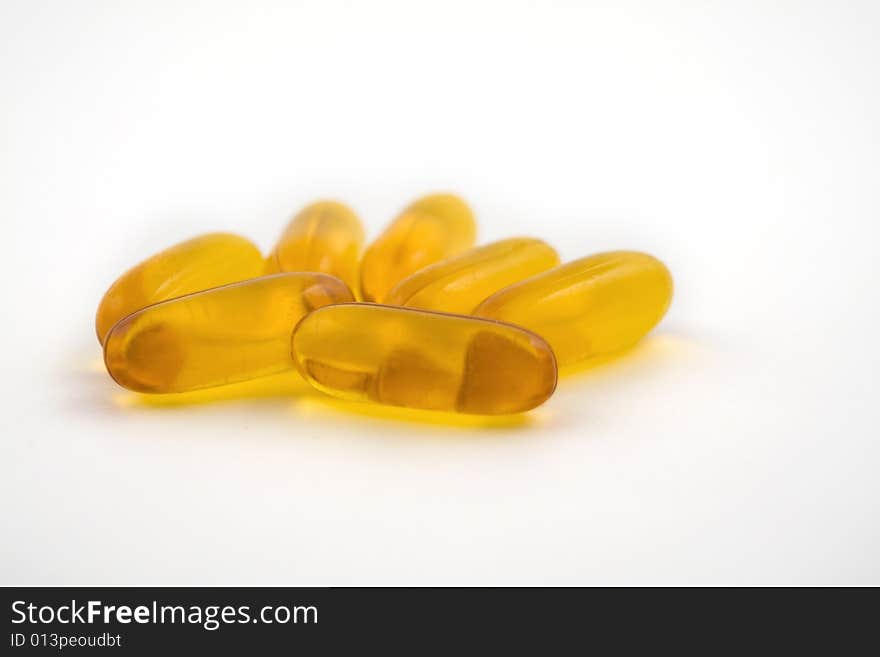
326, 237
460, 283
222, 335
430, 229
590, 307
197, 264
425, 360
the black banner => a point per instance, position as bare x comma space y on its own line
274, 620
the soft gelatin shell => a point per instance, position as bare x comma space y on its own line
197, 264
458, 284
426, 360
427, 231
223, 335
326, 237
590, 307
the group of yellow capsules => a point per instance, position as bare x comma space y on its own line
422, 320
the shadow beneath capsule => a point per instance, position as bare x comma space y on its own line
286, 391
655, 350
104, 392
320, 406
282, 386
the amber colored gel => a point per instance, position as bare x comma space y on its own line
421, 359
590, 307
460, 283
197, 264
430, 229
325, 237
223, 335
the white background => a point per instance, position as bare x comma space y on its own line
737, 141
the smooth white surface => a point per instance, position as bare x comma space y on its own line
737, 141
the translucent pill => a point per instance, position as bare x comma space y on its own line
325, 237
197, 264
210, 338
589, 307
460, 283
431, 229
422, 359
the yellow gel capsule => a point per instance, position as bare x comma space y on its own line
197, 264
325, 237
218, 336
421, 359
459, 284
590, 307
430, 229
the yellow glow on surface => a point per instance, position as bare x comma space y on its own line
307, 402
286, 385
96, 365
323, 405
300, 399
654, 349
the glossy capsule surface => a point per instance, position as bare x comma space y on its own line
590, 307
425, 360
460, 283
197, 264
223, 335
430, 229
326, 237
